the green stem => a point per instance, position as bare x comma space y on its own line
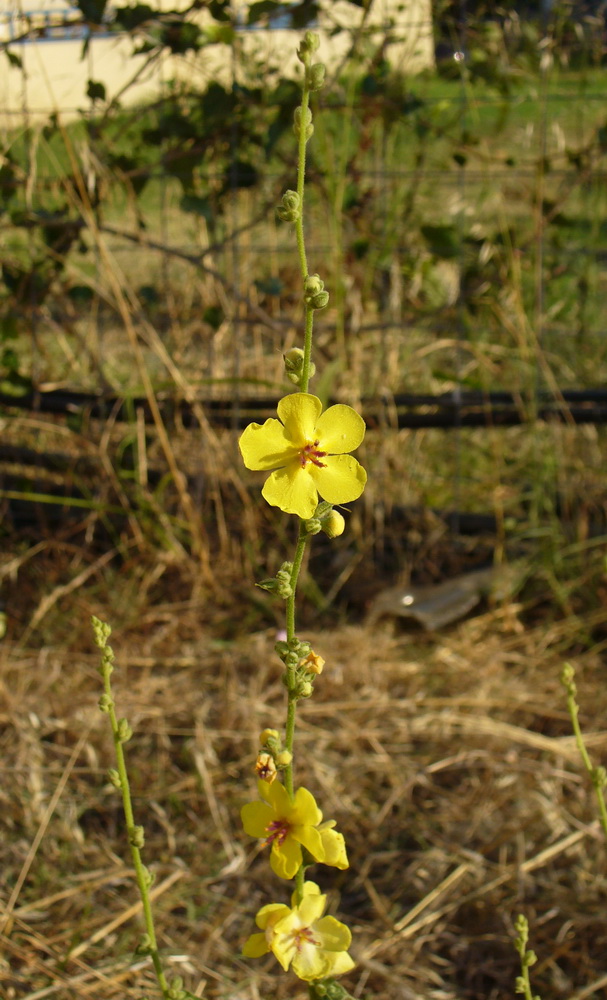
292, 700
301, 176
573, 708
142, 874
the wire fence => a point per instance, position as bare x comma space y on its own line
460, 223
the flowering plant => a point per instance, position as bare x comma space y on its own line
307, 454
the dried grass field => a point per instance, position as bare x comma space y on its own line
447, 760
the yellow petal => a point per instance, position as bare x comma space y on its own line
304, 809
310, 963
286, 858
265, 446
255, 946
332, 934
299, 413
340, 429
339, 962
277, 796
335, 848
271, 914
311, 840
292, 490
340, 480
256, 817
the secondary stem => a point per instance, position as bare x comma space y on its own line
141, 872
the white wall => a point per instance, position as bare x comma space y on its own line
55, 74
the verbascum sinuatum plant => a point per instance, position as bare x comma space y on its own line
306, 452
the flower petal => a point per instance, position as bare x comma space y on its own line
270, 914
335, 848
292, 489
255, 946
265, 446
277, 796
340, 429
339, 962
310, 963
340, 480
333, 935
299, 413
286, 858
256, 817
311, 840
304, 809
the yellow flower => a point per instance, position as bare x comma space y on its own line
288, 825
314, 946
308, 452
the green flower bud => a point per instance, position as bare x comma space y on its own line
105, 702
313, 526
145, 945
313, 283
101, 632
303, 120
284, 590
282, 649
291, 659
124, 731
319, 301
114, 777
315, 76
149, 877
305, 689
290, 207
137, 836
599, 777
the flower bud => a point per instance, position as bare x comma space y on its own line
290, 207
319, 301
124, 731
333, 525
267, 735
284, 758
305, 689
265, 768
114, 777
302, 119
137, 836
145, 945
291, 659
315, 76
105, 703
313, 526
307, 46
313, 283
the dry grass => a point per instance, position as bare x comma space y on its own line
447, 761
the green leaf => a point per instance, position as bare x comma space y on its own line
443, 241
13, 59
129, 18
261, 8
196, 205
92, 10
95, 90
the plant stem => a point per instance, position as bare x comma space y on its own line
142, 874
292, 700
596, 775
